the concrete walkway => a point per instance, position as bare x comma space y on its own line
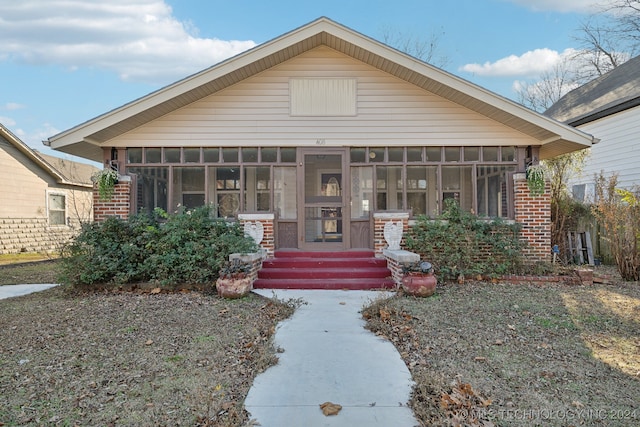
329, 356
8, 291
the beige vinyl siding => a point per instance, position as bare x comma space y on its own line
618, 150
23, 189
256, 112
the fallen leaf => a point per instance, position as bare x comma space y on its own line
577, 404
480, 359
156, 290
228, 405
149, 342
512, 327
498, 342
466, 389
384, 314
547, 374
329, 408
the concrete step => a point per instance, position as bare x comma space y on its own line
309, 262
323, 273
354, 269
335, 284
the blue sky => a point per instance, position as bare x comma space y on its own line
63, 62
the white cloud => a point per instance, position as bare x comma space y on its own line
7, 121
11, 106
529, 64
579, 6
34, 137
138, 39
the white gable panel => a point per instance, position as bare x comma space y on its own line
322, 97
388, 111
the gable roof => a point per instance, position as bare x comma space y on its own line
60, 169
615, 91
85, 139
74, 171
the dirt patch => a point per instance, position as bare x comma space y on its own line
496, 354
132, 358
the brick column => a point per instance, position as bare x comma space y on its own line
119, 204
379, 220
397, 260
534, 214
267, 220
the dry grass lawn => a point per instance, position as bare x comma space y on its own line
508, 355
481, 354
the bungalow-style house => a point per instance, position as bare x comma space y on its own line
609, 108
43, 198
324, 135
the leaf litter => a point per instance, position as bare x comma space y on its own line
127, 358
485, 354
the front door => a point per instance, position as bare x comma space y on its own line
326, 217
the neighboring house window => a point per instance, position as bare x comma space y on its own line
578, 192
57, 209
584, 193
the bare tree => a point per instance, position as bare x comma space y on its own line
566, 212
600, 51
609, 38
425, 49
605, 41
550, 86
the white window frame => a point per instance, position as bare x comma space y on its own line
66, 208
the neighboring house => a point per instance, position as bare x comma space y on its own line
324, 134
43, 198
608, 108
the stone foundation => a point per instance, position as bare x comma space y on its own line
33, 235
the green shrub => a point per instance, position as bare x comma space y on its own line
459, 243
186, 248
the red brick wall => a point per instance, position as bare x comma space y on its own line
379, 221
534, 214
118, 205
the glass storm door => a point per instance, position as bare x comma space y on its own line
325, 218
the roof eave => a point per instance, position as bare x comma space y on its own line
599, 114
33, 156
78, 140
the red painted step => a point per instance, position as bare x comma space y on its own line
353, 269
